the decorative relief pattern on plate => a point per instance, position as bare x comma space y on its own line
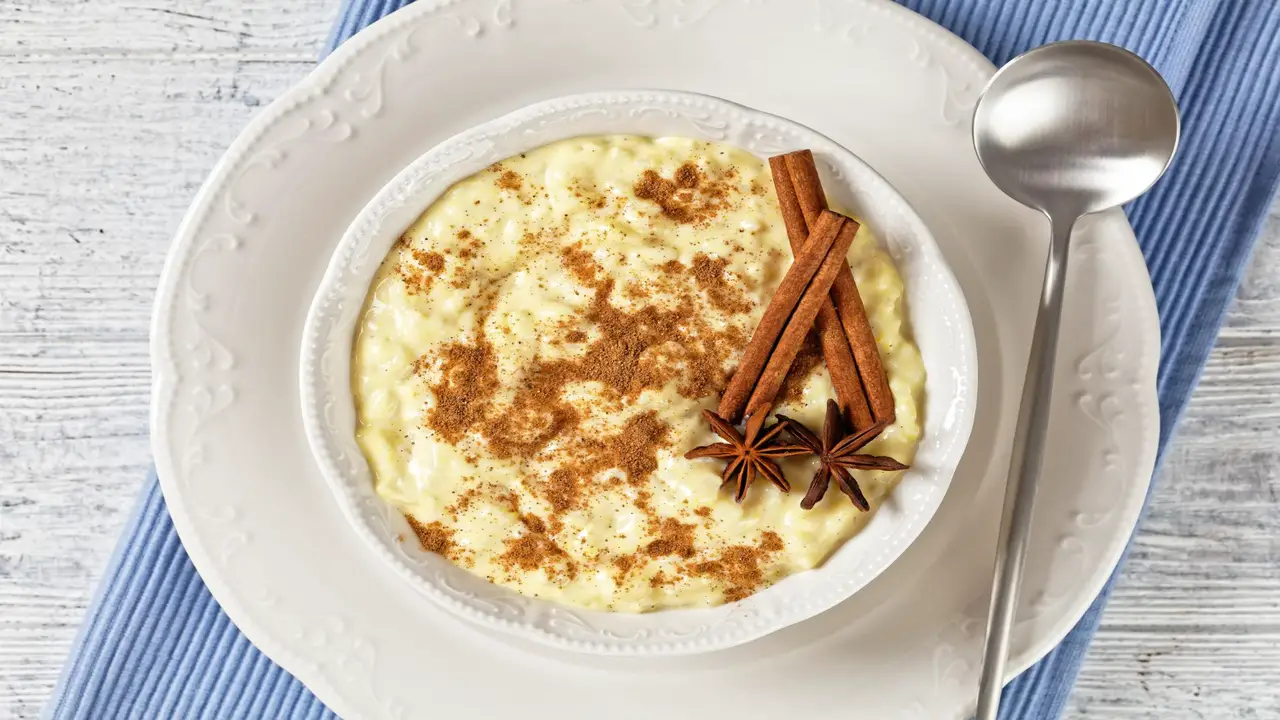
953, 666
663, 13
344, 654
958, 97
855, 20
365, 91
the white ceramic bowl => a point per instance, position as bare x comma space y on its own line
938, 314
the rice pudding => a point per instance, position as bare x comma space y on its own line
535, 353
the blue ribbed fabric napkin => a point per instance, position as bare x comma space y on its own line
156, 645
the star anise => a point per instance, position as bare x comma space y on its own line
747, 455
837, 454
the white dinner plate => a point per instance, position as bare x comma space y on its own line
273, 546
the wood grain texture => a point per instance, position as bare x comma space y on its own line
115, 110
113, 113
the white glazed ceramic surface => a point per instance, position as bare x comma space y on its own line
938, 315
262, 526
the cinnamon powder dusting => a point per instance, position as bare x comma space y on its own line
689, 197
434, 537
724, 295
632, 351
468, 381
432, 261
418, 268
509, 181
674, 538
535, 416
628, 352
738, 568
537, 551
806, 364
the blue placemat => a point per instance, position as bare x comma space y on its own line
156, 645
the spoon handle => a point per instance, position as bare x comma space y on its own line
1024, 473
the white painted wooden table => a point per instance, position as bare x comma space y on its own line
111, 114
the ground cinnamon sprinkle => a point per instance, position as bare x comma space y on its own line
633, 450
468, 381
418, 268
529, 424
673, 268
642, 501
688, 198
509, 180
432, 261
562, 490
623, 565
534, 551
627, 353
687, 176
808, 362
674, 538
534, 523
580, 263
738, 568
724, 295
535, 418
469, 246
638, 350
434, 537
464, 502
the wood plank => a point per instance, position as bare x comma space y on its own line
1256, 311
115, 112
54, 30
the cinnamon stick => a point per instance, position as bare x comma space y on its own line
803, 172
776, 316
844, 294
862, 341
831, 335
806, 310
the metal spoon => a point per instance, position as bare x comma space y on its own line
1068, 129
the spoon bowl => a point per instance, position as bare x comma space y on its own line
1076, 127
